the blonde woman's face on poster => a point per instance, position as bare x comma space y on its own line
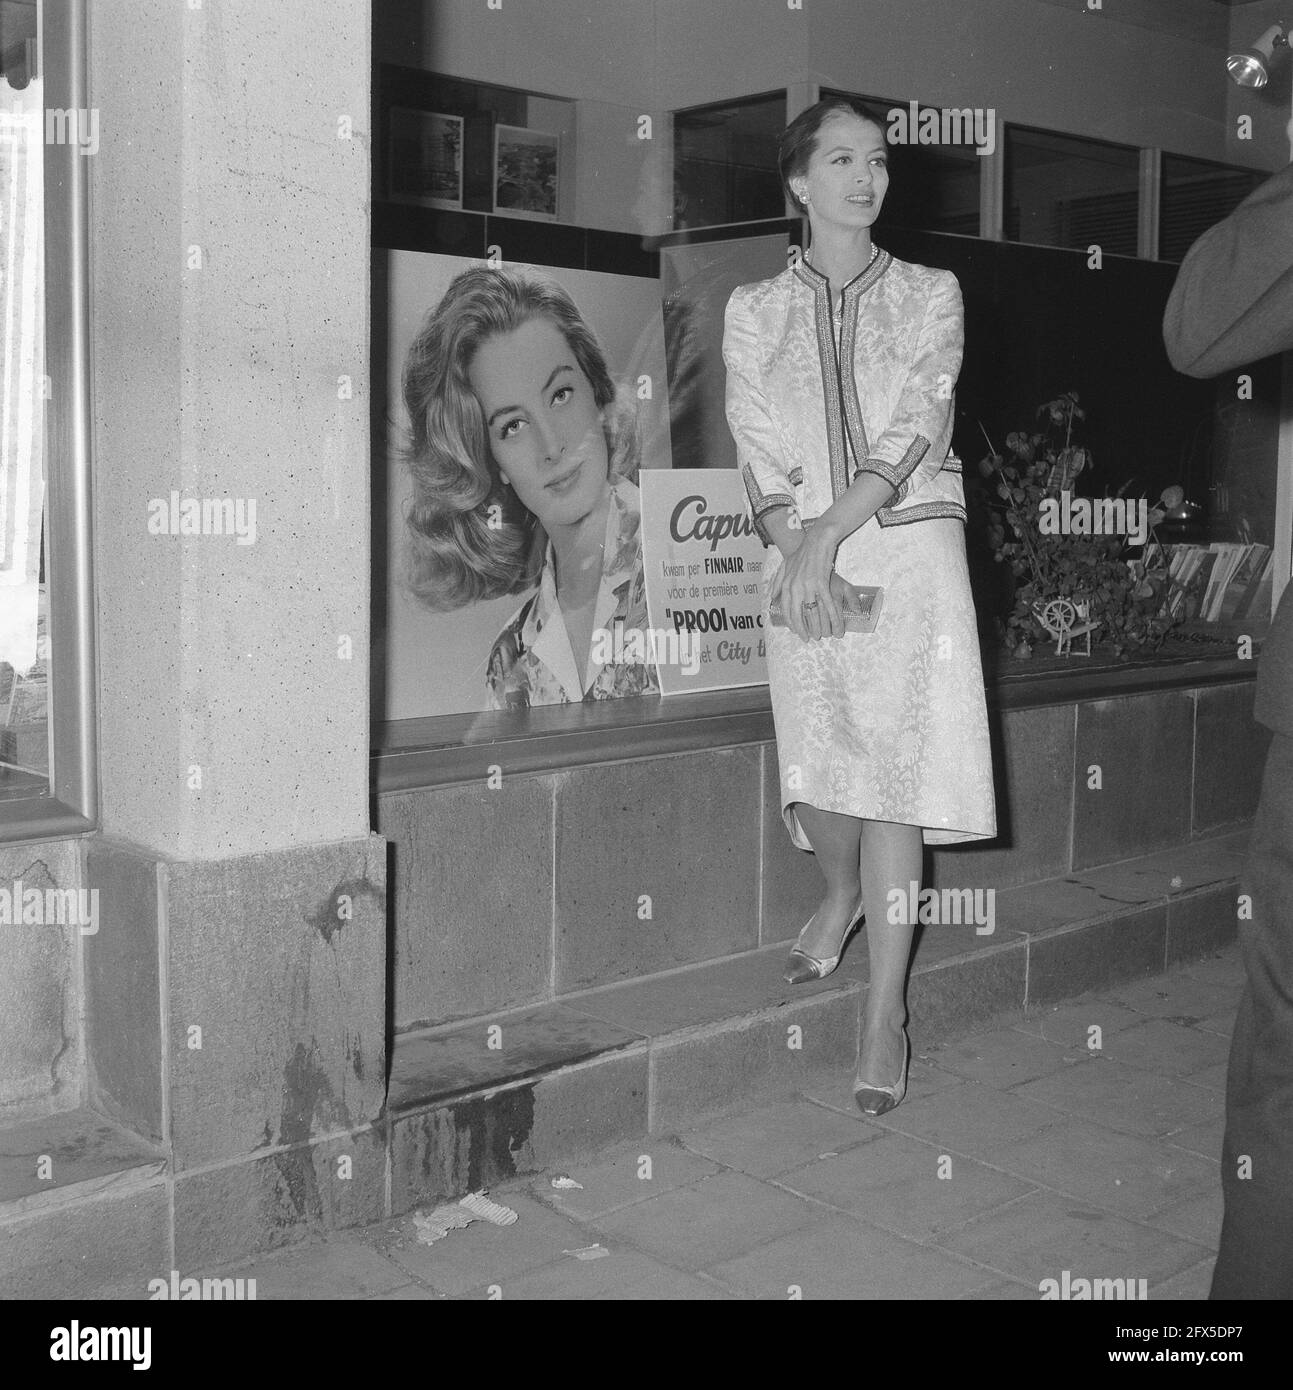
545, 430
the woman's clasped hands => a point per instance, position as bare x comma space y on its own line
814, 598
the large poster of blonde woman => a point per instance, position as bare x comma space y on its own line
522, 402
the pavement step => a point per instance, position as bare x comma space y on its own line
1013, 1162
83, 1208
68, 1157
489, 1099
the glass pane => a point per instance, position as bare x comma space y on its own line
24, 647
1196, 195
725, 162
469, 146
468, 580
1063, 191
932, 187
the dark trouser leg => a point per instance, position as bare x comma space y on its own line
1255, 1260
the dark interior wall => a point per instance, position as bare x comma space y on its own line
1040, 321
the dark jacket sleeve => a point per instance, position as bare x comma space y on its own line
1233, 298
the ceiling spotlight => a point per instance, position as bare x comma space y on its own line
1251, 67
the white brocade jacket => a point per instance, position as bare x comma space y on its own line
816, 396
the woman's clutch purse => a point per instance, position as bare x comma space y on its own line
860, 614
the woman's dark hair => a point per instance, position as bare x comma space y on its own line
471, 539
799, 140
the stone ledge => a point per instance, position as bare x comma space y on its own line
88, 1157
439, 1064
717, 1032
106, 1246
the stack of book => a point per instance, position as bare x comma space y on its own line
1224, 582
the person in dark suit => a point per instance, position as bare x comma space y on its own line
1232, 304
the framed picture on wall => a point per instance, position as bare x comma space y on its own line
527, 171
424, 158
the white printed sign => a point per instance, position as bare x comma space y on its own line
703, 565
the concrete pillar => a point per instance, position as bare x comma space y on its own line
230, 255
235, 991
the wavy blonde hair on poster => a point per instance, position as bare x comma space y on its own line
456, 557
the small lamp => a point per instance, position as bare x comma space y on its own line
1251, 67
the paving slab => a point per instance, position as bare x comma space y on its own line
408, 1293
833, 1087
1177, 995
1197, 1218
908, 1187
1005, 1057
672, 1288
1203, 1138
1005, 1290
1070, 1025
1044, 1234
774, 1138
1167, 1048
1213, 1077
1125, 1098
482, 1254
634, 1173
1220, 967
1116, 1172
577, 1278
838, 1258
1190, 1286
971, 1119
716, 1219
322, 1270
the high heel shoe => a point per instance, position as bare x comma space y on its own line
878, 1100
801, 968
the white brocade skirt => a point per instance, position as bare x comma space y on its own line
890, 725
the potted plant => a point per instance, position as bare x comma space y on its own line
1123, 597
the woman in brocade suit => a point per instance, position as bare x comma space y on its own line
841, 373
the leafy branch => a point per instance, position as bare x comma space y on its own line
1124, 595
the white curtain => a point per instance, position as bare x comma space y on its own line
22, 368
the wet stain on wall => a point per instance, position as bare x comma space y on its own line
465, 1145
342, 903
491, 1136
308, 1097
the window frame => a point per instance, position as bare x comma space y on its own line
1146, 196
1161, 158
70, 804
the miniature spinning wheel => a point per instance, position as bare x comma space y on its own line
1064, 620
